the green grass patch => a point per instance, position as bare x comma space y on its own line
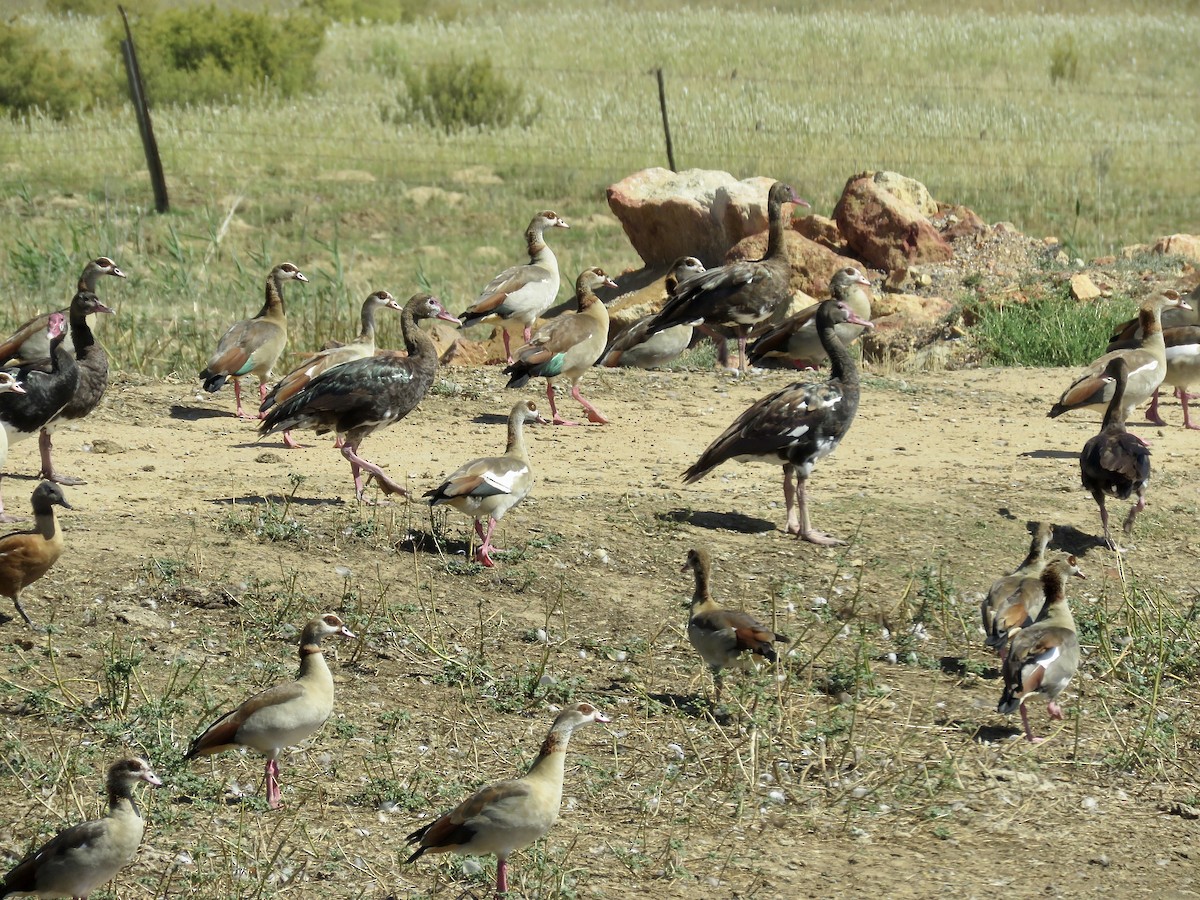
1053, 330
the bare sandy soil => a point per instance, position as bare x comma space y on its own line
871, 762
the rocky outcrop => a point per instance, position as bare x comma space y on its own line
886, 231
812, 264
1186, 245
697, 212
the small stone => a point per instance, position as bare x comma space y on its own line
268, 457
1083, 288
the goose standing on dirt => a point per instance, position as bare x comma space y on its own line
85, 856
1114, 462
281, 716
738, 294
512, 814
1006, 586
521, 293
25, 556
1181, 342
491, 486
361, 396
724, 638
252, 346
1147, 364
636, 348
8, 382
567, 346
1041, 659
1024, 605
797, 425
324, 360
92, 362
796, 338
30, 342
46, 391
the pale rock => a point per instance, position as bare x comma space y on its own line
1185, 245
1083, 288
909, 190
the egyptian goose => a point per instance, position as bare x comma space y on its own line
724, 638
512, 814
567, 346
357, 398
796, 338
46, 391
521, 293
30, 341
25, 556
797, 425
740, 294
1024, 604
252, 346
283, 715
1115, 462
1007, 586
81, 858
636, 348
1183, 370
491, 486
92, 361
1147, 365
1041, 660
324, 360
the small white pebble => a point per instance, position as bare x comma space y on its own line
777, 797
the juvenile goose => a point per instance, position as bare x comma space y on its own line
567, 346
92, 362
1041, 659
25, 556
796, 426
512, 814
738, 294
252, 346
30, 342
1004, 587
46, 390
281, 716
521, 293
1147, 364
724, 638
1025, 603
357, 398
324, 360
81, 858
1114, 462
491, 486
796, 338
638, 349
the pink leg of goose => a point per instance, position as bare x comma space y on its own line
484, 555
357, 464
1055, 711
1025, 721
237, 398
48, 467
797, 509
290, 442
501, 876
593, 414
1152, 410
1184, 397
555, 418
507, 349
262, 398
274, 797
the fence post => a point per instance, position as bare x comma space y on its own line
662, 105
137, 93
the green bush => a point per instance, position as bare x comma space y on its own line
454, 95
33, 77
386, 11
96, 8
210, 55
1053, 330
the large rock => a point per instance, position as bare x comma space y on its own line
886, 231
813, 265
1186, 245
909, 190
697, 212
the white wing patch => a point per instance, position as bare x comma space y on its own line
504, 481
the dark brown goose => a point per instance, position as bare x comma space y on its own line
92, 361
252, 346
1116, 463
361, 396
46, 392
795, 339
797, 425
738, 294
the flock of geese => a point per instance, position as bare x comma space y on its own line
55, 370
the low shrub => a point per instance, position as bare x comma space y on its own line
33, 77
208, 55
1047, 331
454, 95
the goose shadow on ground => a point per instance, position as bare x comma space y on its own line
1049, 454
695, 706
275, 500
718, 521
196, 413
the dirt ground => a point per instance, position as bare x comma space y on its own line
873, 763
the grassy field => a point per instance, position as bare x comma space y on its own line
965, 103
